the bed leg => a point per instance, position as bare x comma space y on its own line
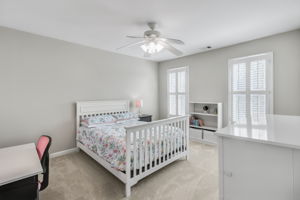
128, 190
187, 155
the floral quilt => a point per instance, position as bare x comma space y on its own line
108, 141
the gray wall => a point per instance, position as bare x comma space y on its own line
208, 72
42, 78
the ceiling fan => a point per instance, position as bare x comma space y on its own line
152, 42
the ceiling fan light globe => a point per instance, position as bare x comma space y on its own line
152, 47
144, 47
159, 47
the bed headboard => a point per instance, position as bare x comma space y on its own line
94, 108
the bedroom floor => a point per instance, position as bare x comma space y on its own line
78, 177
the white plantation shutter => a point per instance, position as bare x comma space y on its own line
172, 82
250, 88
172, 93
172, 104
258, 108
239, 77
177, 91
258, 75
181, 81
239, 108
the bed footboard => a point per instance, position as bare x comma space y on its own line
154, 145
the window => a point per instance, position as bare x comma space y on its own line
177, 91
251, 88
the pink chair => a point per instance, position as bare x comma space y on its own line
42, 148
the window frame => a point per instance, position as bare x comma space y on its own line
269, 83
186, 93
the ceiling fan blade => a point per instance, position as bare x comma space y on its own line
131, 44
133, 36
171, 40
170, 48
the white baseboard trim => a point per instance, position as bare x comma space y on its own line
64, 152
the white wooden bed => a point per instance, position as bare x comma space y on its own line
138, 171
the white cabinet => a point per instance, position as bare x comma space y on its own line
260, 162
257, 171
296, 174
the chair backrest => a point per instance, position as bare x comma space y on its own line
43, 146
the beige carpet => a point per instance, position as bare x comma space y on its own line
78, 177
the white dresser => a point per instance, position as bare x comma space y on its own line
260, 161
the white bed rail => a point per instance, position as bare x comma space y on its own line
154, 145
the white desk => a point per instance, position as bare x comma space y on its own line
19, 162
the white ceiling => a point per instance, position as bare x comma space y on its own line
105, 23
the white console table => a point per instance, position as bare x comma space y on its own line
262, 161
